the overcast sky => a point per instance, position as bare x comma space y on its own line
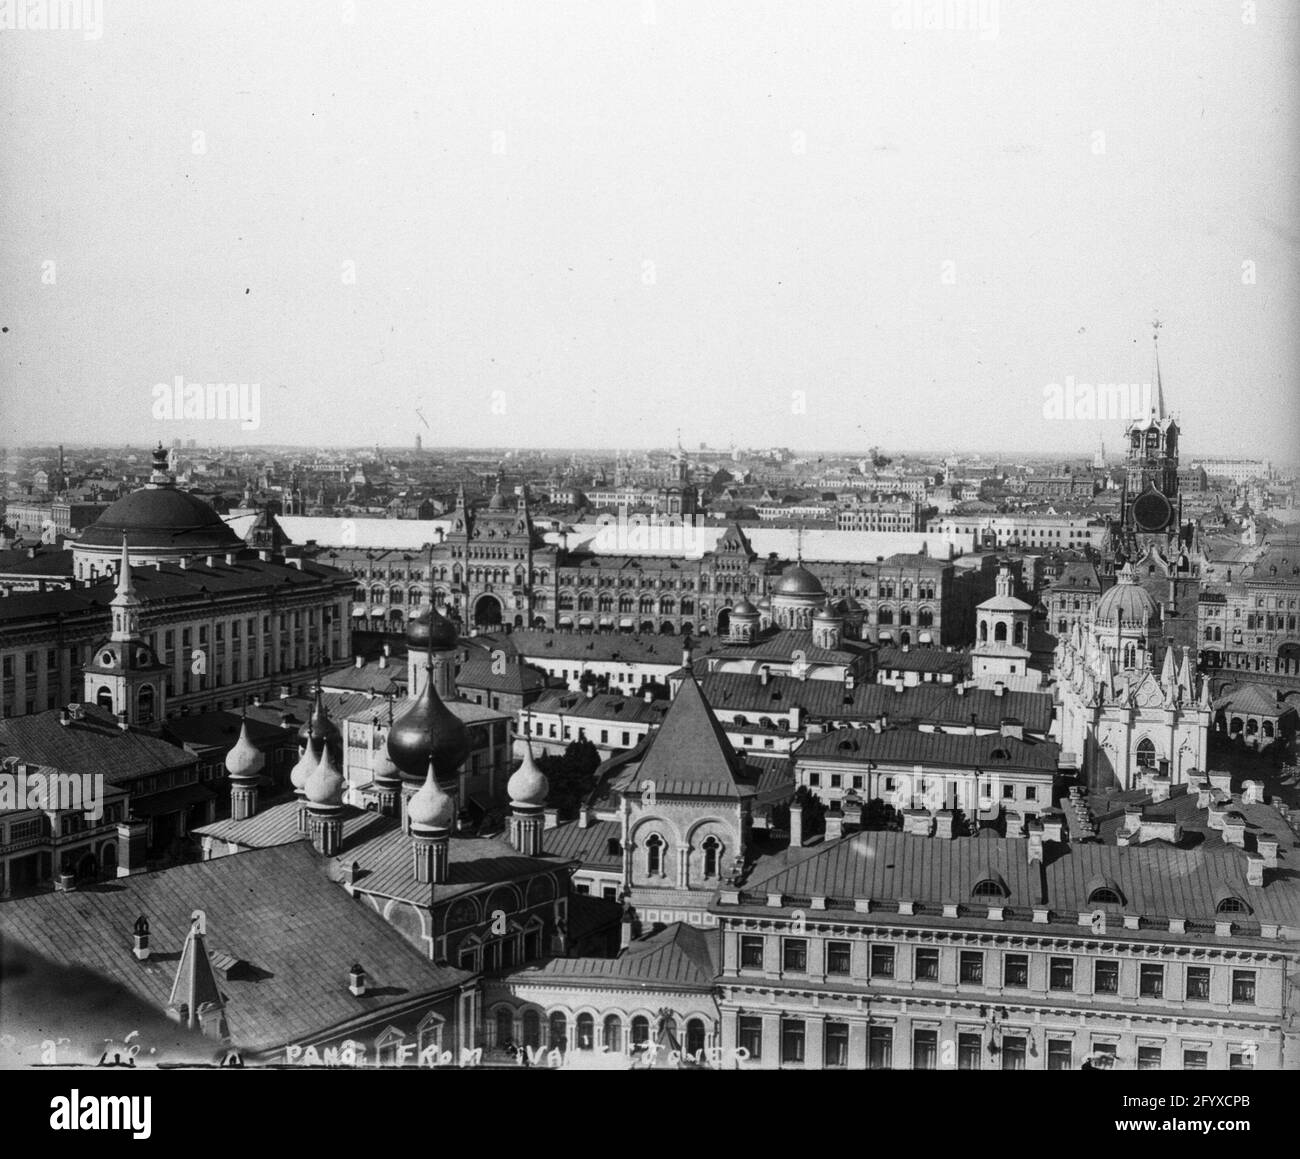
540, 223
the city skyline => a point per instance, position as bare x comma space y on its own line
506, 224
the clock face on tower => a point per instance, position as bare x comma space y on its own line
1152, 511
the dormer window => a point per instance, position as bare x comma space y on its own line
1232, 905
989, 888
1104, 896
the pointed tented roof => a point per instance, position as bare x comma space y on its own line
690, 754
125, 588
1160, 390
196, 982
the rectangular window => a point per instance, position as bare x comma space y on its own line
1151, 981
880, 1047
794, 955
927, 965
1198, 982
1196, 1059
1105, 977
882, 961
835, 1052
839, 957
1149, 1057
925, 1049
972, 967
1243, 987
749, 1035
1013, 1052
968, 1051
751, 951
1060, 1054
1016, 970
792, 1040
1061, 974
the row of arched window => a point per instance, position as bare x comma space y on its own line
614, 1032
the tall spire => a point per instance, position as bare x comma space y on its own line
1160, 390
196, 996
125, 603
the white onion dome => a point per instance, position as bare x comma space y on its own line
245, 760
384, 771
431, 807
528, 784
325, 784
306, 765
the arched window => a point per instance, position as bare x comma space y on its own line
694, 1036
654, 854
712, 852
558, 1031
613, 1033
988, 888
104, 697
885, 616
1104, 896
640, 1030
984, 631
505, 1026
1000, 632
532, 1029
146, 699
586, 1027
1146, 754
1231, 905
1020, 634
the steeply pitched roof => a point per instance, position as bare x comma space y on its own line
690, 754
92, 744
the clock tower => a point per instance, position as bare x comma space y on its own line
1150, 508
123, 674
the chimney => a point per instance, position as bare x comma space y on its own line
943, 824
626, 929
1053, 826
1234, 829
1132, 818
852, 816
351, 873
356, 979
764, 675
1036, 832
1203, 791
960, 689
1217, 812
121, 720
1162, 829
1013, 728
1267, 845
388, 649
132, 842
917, 822
65, 717
183, 563
65, 882
212, 561
1221, 780
1254, 869
552, 816
359, 662
796, 825
648, 696
834, 823
999, 688
383, 660
584, 816
230, 558
1159, 783
140, 939
1252, 792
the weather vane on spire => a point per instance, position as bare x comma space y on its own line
1155, 330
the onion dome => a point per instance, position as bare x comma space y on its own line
323, 730
304, 732
427, 731
325, 783
1128, 599
383, 769
429, 630
303, 770
431, 807
528, 784
744, 608
245, 760
797, 580
849, 605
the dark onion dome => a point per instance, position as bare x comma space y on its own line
797, 580
848, 605
429, 630
323, 730
428, 731
744, 608
161, 517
